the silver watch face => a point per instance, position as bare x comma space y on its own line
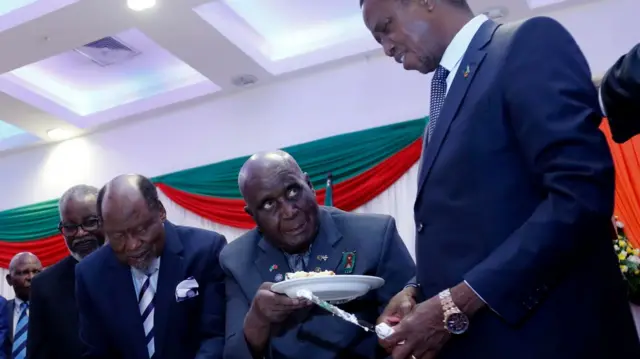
457, 323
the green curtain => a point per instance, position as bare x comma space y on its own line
345, 156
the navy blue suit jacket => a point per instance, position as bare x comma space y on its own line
315, 334
110, 321
516, 196
6, 323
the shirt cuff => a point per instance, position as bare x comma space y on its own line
604, 111
479, 296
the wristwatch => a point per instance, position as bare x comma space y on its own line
455, 322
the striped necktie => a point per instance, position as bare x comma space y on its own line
20, 336
145, 302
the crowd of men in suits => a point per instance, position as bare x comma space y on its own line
513, 210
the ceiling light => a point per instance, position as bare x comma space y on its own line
58, 134
139, 5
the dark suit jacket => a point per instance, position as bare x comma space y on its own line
8, 314
620, 92
5, 327
515, 196
110, 321
53, 314
316, 334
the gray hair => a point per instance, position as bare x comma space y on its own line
76, 192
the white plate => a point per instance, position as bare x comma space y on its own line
331, 288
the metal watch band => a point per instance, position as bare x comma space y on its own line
448, 306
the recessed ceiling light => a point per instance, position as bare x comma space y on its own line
58, 134
139, 5
535, 4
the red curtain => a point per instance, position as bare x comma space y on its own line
626, 158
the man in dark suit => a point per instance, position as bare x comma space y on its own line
515, 193
4, 328
620, 96
53, 300
23, 268
157, 290
295, 234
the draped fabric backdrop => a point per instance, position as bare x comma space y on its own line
373, 171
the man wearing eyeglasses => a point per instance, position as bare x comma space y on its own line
53, 325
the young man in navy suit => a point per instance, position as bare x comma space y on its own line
295, 234
515, 192
156, 291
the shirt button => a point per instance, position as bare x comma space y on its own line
420, 227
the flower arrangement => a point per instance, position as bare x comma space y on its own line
629, 258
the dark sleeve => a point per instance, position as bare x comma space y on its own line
4, 328
92, 333
236, 346
553, 109
395, 265
38, 346
620, 92
213, 310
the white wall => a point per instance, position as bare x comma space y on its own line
363, 94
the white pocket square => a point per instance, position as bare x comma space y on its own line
186, 289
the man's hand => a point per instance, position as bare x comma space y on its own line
266, 309
400, 305
422, 332
270, 307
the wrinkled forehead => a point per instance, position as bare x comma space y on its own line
78, 208
269, 182
25, 262
123, 207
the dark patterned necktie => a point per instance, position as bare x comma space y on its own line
438, 93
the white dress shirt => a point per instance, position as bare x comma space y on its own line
453, 56
139, 277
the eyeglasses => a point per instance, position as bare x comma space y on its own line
71, 229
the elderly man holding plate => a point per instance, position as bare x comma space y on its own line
357, 261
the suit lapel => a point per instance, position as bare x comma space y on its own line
122, 293
170, 275
271, 262
469, 66
325, 254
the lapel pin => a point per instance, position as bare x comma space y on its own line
348, 262
278, 277
322, 257
466, 72
273, 267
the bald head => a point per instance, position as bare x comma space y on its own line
21, 258
22, 268
128, 189
265, 164
133, 220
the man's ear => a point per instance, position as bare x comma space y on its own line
9, 281
308, 180
248, 211
163, 212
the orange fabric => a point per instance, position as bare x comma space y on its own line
626, 158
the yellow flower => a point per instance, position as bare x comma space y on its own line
622, 243
630, 250
636, 272
636, 252
622, 256
624, 268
